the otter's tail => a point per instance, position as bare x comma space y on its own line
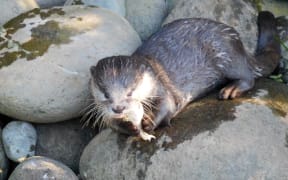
268, 50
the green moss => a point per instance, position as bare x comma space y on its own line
43, 36
77, 2
10, 57
44, 14
17, 23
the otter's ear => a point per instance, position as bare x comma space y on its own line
93, 70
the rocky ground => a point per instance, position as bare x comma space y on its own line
45, 57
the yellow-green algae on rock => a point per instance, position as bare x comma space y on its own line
42, 36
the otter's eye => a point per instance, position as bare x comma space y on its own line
106, 95
130, 93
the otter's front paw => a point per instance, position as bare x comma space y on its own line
148, 125
145, 136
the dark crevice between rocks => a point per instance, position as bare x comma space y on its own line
4, 120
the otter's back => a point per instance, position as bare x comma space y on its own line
195, 53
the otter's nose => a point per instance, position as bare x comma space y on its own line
118, 109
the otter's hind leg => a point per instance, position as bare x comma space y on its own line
238, 72
236, 88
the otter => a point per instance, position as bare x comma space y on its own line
180, 63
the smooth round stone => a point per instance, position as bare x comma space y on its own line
63, 141
12, 8
42, 168
45, 56
3, 160
146, 16
237, 13
245, 138
19, 140
117, 6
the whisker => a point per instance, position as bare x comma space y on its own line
97, 119
88, 113
87, 120
87, 107
148, 104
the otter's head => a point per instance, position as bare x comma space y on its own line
121, 87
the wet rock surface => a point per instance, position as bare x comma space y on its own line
42, 168
245, 138
3, 160
45, 56
19, 140
63, 141
238, 14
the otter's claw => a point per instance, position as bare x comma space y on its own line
146, 137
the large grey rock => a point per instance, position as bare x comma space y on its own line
237, 13
50, 3
63, 141
3, 160
245, 138
36, 168
117, 6
45, 56
19, 140
146, 16
12, 8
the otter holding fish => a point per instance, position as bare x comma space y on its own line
183, 61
